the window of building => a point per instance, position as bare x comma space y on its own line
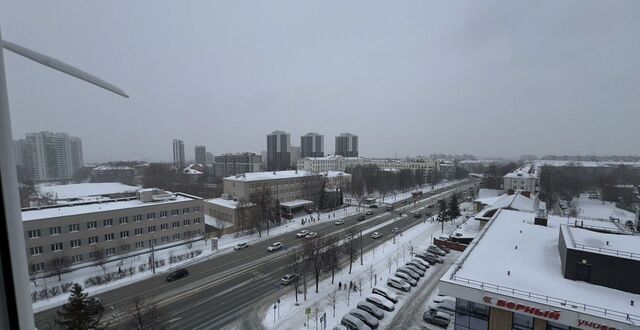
151, 215
470, 315
76, 243
557, 326
107, 222
175, 224
522, 322
55, 247
76, 259
164, 239
163, 214
35, 233
185, 210
123, 220
93, 240
186, 222
138, 231
109, 237
37, 267
74, 227
55, 230
140, 245
124, 234
196, 232
36, 250
151, 229
175, 212
125, 247
153, 241
93, 254
137, 217
196, 220
176, 237
110, 251
196, 209
164, 226
92, 224
186, 234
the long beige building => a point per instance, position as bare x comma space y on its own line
76, 233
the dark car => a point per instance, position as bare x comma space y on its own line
177, 274
369, 213
438, 318
428, 258
417, 215
389, 208
360, 218
373, 206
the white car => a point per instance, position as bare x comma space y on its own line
376, 235
381, 302
399, 284
275, 246
311, 235
406, 278
241, 246
339, 222
395, 230
302, 233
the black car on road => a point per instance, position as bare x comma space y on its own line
177, 274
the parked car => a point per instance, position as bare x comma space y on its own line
371, 309
416, 215
389, 208
395, 230
388, 294
422, 262
416, 264
311, 235
360, 218
435, 250
287, 278
444, 248
340, 327
302, 233
380, 302
339, 222
438, 299
430, 258
409, 272
365, 317
353, 323
406, 278
376, 235
274, 246
241, 246
369, 213
373, 206
446, 306
437, 318
177, 274
439, 259
398, 283
416, 269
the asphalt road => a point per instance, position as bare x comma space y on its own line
221, 290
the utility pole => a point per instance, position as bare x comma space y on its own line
361, 262
153, 257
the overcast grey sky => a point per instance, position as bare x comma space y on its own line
491, 78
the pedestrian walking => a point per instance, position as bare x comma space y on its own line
339, 285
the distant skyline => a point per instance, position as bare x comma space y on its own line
490, 78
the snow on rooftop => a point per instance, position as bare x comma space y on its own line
484, 193
228, 203
72, 191
77, 209
296, 203
534, 266
260, 176
625, 246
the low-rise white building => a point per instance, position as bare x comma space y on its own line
328, 163
525, 178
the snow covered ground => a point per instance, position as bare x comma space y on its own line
379, 264
595, 208
136, 268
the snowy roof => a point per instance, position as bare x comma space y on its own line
484, 193
261, 176
563, 163
228, 203
623, 246
296, 203
333, 174
515, 201
102, 206
72, 191
534, 268
108, 168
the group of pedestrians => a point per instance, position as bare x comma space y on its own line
352, 285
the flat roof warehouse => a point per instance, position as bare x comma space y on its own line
516, 265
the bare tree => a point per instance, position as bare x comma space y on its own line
332, 299
295, 265
58, 266
351, 251
145, 315
332, 256
390, 264
371, 273
99, 258
313, 250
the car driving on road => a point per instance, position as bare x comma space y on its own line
361, 218
339, 222
302, 233
376, 235
177, 274
287, 278
274, 246
311, 235
241, 246
369, 213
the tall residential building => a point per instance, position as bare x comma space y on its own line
54, 156
201, 155
232, 164
347, 145
178, 153
312, 145
278, 151
295, 155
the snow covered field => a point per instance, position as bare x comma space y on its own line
136, 268
595, 208
379, 264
